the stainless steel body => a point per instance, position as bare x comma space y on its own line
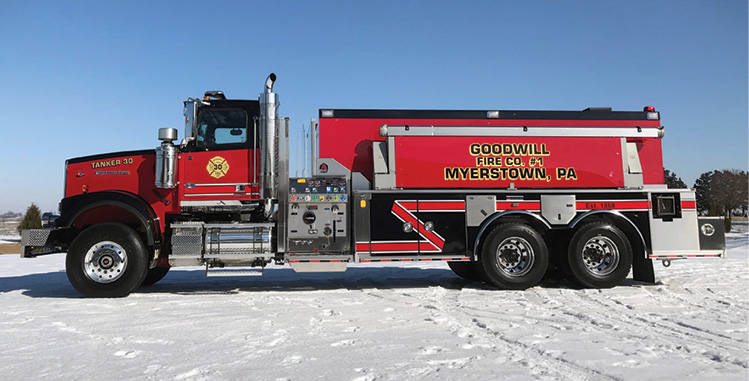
558, 209
712, 233
241, 239
681, 233
198, 243
625, 132
283, 187
318, 215
313, 126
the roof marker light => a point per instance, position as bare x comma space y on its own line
326, 113
492, 114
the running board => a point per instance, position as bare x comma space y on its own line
234, 271
318, 263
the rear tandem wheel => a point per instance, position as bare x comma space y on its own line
599, 256
514, 256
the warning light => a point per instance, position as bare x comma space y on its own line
649, 109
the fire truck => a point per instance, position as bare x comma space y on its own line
502, 196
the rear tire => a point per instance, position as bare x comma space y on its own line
514, 256
154, 275
106, 260
599, 256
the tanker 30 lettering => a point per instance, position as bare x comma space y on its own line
111, 163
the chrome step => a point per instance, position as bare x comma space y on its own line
234, 271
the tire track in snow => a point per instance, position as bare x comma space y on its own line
669, 338
449, 302
695, 281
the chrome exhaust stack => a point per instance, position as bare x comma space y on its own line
269, 124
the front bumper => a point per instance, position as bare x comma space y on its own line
36, 242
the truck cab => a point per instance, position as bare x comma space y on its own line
219, 160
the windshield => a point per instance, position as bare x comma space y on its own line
222, 127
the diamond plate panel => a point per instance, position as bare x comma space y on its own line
34, 237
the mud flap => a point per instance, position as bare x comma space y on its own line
642, 269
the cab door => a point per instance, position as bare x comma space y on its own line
221, 165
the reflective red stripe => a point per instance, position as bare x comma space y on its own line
395, 246
606, 205
689, 205
408, 205
425, 206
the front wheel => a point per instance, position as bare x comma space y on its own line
514, 256
599, 256
106, 260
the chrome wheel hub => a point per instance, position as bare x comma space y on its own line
600, 255
105, 262
515, 256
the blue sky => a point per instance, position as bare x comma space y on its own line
81, 78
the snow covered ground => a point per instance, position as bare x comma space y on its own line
418, 321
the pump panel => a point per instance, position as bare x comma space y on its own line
318, 215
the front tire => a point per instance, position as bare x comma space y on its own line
599, 256
514, 256
106, 260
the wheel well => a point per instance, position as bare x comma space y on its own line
624, 224
532, 220
107, 213
560, 238
82, 211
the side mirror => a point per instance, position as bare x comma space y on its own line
191, 113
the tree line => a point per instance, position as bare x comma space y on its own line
719, 193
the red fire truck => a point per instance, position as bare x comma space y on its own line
501, 195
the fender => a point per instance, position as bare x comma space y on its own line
489, 221
73, 207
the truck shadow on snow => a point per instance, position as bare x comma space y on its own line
194, 282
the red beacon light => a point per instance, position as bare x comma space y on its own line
652, 114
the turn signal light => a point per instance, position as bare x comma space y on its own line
84, 188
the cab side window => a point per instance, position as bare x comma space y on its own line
222, 127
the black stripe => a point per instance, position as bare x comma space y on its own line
481, 114
110, 155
